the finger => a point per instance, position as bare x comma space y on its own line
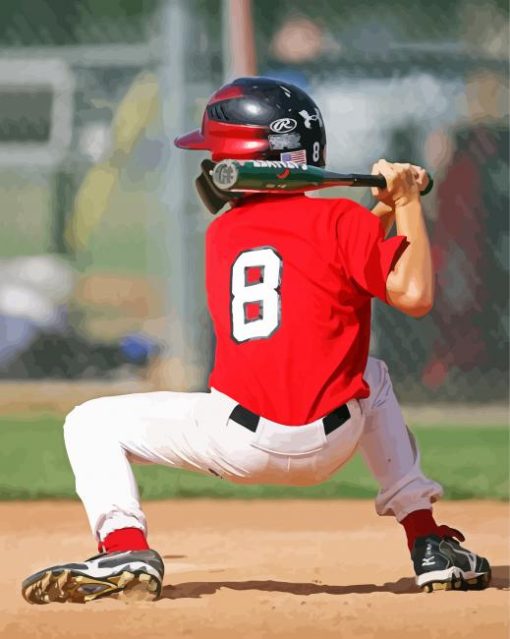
422, 183
402, 168
384, 163
376, 191
376, 170
421, 176
389, 171
418, 170
405, 173
384, 168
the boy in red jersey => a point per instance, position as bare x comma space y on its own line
294, 393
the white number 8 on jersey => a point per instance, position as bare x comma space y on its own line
263, 294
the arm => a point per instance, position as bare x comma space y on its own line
410, 285
386, 215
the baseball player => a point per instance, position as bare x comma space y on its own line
293, 393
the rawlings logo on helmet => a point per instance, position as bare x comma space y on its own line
283, 125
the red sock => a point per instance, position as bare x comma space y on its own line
124, 539
419, 523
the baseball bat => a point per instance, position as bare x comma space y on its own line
267, 176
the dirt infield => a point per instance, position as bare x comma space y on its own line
286, 569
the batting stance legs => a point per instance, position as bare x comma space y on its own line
210, 433
197, 431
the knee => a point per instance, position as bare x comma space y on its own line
86, 421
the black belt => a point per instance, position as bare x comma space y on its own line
249, 420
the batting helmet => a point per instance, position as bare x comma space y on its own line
260, 118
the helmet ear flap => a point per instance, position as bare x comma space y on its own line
208, 197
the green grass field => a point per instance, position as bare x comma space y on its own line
469, 462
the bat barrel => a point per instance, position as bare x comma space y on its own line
267, 176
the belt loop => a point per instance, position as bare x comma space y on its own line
245, 418
336, 418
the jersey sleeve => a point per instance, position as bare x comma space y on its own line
366, 256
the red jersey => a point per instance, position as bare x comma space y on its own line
289, 283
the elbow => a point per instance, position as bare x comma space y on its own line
412, 296
415, 303
420, 309
418, 304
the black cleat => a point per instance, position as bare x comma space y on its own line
130, 575
442, 564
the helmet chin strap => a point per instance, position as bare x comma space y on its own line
211, 196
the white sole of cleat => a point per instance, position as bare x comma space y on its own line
453, 579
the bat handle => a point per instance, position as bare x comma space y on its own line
379, 181
374, 180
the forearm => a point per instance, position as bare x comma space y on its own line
410, 285
386, 215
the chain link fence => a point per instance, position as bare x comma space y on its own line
394, 79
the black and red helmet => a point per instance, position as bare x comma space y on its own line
260, 118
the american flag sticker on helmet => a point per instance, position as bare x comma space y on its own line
294, 156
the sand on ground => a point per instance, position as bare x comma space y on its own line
260, 569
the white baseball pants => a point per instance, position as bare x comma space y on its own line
193, 431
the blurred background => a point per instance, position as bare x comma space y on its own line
101, 231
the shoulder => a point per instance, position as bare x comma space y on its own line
337, 206
343, 212
219, 221
352, 215
343, 206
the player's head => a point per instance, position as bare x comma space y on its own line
260, 119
